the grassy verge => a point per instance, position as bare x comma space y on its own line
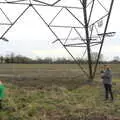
59, 103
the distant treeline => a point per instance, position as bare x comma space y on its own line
27, 60
18, 59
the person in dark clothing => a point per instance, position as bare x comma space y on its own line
107, 81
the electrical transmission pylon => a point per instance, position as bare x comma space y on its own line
86, 19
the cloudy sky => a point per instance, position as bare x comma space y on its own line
31, 37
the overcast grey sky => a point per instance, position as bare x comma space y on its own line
31, 37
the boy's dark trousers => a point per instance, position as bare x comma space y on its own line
0, 104
108, 90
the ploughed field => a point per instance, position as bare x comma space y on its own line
56, 92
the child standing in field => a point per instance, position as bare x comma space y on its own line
2, 93
106, 76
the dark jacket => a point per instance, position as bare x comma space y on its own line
107, 77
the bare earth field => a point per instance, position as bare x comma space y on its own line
56, 92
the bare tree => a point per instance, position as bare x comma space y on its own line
94, 56
116, 59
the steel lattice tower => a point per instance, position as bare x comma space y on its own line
92, 18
